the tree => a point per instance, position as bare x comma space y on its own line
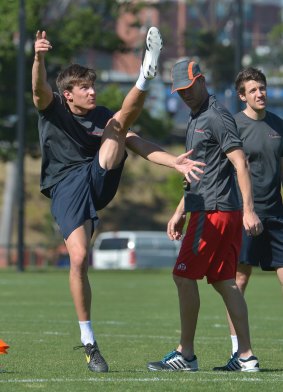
219, 59
275, 38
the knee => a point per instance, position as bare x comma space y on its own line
242, 280
225, 286
183, 284
79, 260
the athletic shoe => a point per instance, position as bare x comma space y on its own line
174, 361
236, 364
95, 361
152, 51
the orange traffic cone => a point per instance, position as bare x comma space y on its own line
3, 347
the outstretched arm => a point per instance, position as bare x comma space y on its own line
153, 153
41, 90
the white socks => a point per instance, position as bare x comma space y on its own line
142, 83
234, 341
87, 334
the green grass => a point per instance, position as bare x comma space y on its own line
136, 320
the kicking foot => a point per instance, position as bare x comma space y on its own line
152, 51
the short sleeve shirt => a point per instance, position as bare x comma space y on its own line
67, 140
263, 146
211, 133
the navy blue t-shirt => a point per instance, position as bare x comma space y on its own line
67, 140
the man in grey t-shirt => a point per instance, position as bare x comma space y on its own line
212, 242
262, 135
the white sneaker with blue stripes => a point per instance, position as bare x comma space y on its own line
174, 361
152, 51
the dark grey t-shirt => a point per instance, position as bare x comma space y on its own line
263, 145
67, 140
212, 133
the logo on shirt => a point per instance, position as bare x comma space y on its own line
199, 130
182, 267
274, 135
95, 132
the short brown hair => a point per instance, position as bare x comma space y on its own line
74, 75
246, 75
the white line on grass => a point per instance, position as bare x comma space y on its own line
145, 380
33, 333
137, 337
199, 338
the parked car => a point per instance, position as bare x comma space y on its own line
134, 249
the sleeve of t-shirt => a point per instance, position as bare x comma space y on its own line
225, 130
57, 101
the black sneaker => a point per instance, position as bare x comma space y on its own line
95, 361
174, 361
236, 364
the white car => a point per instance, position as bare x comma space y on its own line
134, 249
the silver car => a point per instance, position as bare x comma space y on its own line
134, 249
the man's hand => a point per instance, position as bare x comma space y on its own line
41, 44
188, 167
175, 226
252, 224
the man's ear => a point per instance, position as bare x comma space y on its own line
242, 98
68, 95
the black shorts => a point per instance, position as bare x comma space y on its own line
84, 191
265, 250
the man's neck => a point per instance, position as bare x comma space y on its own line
254, 114
197, 108
78, 111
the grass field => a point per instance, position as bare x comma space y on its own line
136, 320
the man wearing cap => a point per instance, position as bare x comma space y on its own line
211, 245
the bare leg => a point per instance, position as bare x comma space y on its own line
279, 272
242, 279
78, 248
237, 308
112, 148
189, 303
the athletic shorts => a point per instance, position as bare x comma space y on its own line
266, 249
83, 192
211, 246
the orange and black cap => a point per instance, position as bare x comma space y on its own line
184, 74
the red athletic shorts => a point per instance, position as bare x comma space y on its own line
211, 246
